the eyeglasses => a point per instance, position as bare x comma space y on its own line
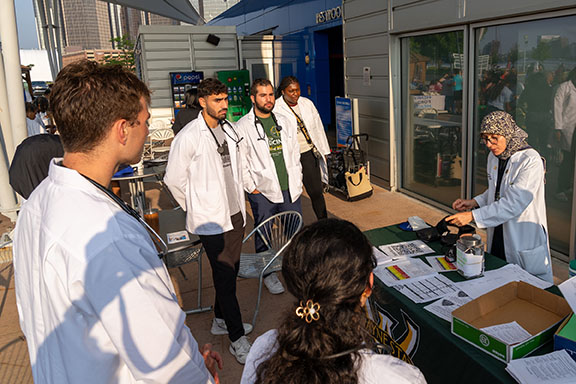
489, 139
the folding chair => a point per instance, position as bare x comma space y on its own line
276, 233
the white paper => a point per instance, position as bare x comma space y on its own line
443, 307
554, 368
440, 264
469, 264
499, 277
510, 333
568, 289
177, 237
425, 289
406, 249
403, 270
382, 258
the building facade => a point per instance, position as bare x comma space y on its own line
425, 73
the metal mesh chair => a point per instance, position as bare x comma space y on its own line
158, 138
276, 233
180, 254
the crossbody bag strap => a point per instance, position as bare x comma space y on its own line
302, 126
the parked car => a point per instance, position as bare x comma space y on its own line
39, 87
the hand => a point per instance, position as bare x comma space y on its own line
558, 135
460, 219
464, 205
255, 192
211, 359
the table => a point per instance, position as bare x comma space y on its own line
417, 336
136, 184
181, 253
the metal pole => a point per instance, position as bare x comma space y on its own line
5, 114
13, 71
15, 92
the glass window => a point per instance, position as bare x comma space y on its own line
528, 70
432, 76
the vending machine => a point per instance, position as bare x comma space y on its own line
238, 83
181, 82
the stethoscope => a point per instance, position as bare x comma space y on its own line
156, 238
257, 121
222, 147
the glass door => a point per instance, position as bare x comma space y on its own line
432, 83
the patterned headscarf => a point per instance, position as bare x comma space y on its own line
501, 123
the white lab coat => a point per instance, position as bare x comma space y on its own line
565, 113
95, 301
521, 209
258, 165
195, 177
314, 125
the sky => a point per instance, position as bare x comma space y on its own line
27, 36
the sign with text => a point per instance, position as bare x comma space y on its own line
329, 15
344, 125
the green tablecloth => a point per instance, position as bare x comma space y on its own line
420, 337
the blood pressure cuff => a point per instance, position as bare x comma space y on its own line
442, 232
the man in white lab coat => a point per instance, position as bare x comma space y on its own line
204, 174
96, 303
272, 169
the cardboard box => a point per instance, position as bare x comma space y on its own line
565, 337
536, 310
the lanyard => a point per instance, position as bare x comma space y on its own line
301, 125
132, 212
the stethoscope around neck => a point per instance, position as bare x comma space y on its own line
236, 139
258, 121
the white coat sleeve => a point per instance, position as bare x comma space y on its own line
323, 146
559, 107
247, 179
140, 314
482, 199
518, 196
179, 159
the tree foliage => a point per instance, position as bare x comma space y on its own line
125, 57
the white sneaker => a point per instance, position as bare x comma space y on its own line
273, 284
219, 327
240, 349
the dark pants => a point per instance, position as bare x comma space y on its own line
312, 178
223, 251
262, 208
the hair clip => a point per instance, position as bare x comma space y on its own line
310, 312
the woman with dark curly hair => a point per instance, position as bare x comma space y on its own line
328, 268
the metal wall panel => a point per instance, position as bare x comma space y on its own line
367, 25
166, 49
366, 45
410, 15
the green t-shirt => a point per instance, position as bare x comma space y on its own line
275, 144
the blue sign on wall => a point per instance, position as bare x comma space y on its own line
344, 125
186, 77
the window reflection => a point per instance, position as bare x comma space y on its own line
432, 77
527, 70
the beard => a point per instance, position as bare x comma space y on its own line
263, 108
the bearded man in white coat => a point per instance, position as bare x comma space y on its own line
96, 303
272, 169
204, 174
312, 139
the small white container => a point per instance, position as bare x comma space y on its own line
470, 256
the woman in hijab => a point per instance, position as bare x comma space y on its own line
513, 208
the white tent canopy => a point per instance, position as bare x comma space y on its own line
181, 10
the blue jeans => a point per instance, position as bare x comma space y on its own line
262, 208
